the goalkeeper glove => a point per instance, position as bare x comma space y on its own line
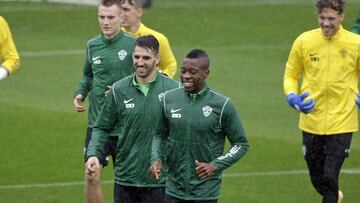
297, 102
357, 101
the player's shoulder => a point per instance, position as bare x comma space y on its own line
169, 81
310, 33
148, 31
3, 22
174, 93
123, 83
216, 95
127, 36
352, 37
95, 40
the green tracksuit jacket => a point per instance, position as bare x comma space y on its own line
138, 117
197, 130
107, 61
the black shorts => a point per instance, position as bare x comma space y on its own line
110, 148
337, 145
130, 194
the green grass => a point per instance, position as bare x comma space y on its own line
248, 42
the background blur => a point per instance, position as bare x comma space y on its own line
248, 41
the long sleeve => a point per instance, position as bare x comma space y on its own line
8, 52
159, 142
86, 82
294, 68
104, 124
234, 130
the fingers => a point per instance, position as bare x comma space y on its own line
155, 169
203, 170
92, 165
78, 103
304, 95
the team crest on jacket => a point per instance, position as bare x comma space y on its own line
343, 53
122, 54
207, 111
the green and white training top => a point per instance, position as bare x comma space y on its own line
138, 117
197, 126
107, 61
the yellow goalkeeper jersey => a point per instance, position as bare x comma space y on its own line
8, 54
328, 68
167, 60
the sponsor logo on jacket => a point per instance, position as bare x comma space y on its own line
175, 113
129, 105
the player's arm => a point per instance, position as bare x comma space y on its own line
105, 123
233, 128
84, 87
294, 68
167, 63
8, 52
159, 142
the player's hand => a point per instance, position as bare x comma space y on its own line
297, 102
3, 73
155, 169
92, 165
78, 103
204, 170
108, 91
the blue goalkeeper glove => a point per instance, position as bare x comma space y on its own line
297, 102
357, 101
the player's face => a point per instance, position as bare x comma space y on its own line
109, 20
130, 15
193, 74
330, 21
145, 62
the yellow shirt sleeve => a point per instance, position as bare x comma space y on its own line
294, 68
8, 53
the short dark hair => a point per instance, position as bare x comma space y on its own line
337, 5
138, 3
148, 42
110, 3
199, 53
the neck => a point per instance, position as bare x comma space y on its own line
145, 80
109, 37
133, 28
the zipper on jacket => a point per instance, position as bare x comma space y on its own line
188, 148
327, 85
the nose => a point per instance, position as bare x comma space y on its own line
139, 62
186, 75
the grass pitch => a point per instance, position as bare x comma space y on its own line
248, 43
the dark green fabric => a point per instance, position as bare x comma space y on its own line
138, 117
107, 61
197, 131
356, 26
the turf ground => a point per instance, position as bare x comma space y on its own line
248, 42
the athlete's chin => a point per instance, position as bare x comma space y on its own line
188, 87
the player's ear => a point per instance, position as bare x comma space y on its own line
157, 59
139, 12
